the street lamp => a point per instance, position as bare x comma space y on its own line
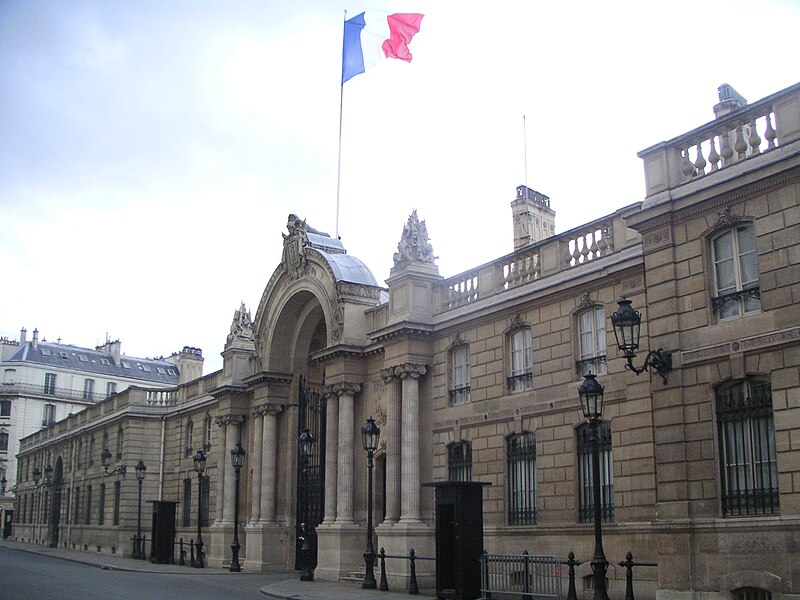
237, 459
306, 443
627, 323
138, 551
199, 466
591, 395
105, 460
370, 434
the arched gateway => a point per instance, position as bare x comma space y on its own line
302, 350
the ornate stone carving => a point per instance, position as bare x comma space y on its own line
230, 420
585, 301
413, 370
266, 409
359, 289
388, 375
726, 218
517, 322
345, 387
295, 259
414, 243
241, 326
338, 320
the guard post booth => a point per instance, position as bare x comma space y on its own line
459, 538
162, 536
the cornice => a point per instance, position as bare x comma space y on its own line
265, 377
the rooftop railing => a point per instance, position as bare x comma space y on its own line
739, 136
551, 256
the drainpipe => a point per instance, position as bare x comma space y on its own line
161, 459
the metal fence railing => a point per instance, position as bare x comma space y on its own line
528, 576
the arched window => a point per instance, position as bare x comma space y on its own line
189, 437
736, 287
119, 442
746, 434
207, 428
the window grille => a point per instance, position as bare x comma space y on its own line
187, 502
117, 490
735, 272
752, 593
746, 433
459, 461
101, 505
585, 474
521, 456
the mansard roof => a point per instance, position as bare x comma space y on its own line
75, 358
348, 268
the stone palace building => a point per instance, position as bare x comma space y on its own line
476, 377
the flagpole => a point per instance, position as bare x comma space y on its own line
339, 166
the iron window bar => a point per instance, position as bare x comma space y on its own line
459, 394
720, 303
526, 379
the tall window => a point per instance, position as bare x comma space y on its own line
5, 408
111, 388
592, 341
460, 378
205, 496
748, 466
101, 505
585, 473
90, 451
3, 441
187, 502
9, 376
48, 414
736, 272
88, 389
207, 428
521, 350
88, 505
521, 456
50, 384
79, 454
459, 461
120, 434
117, 491
189, 437
76, 506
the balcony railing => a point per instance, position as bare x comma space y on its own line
551, 256
43, 390
742, 135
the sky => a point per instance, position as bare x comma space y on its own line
151, 151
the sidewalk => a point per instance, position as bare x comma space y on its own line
289, 589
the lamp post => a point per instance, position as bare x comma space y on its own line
370, 434
199, 466
37, 475
138, 551
591, 395
306, 444
237, 459
105, 460
627, 324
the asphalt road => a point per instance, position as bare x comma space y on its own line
26, 576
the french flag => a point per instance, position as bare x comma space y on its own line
373, 36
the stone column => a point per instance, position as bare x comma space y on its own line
232, 423
409, 453
222, 423
331, 454
344, 484
256, 452
392, 437
269, 462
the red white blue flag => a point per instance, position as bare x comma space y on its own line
371, 37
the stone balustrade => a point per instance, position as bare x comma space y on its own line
741, 135
549, 257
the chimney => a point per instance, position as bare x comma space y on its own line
113, 348
533, 219
23, 336
729, 101
35, 338
189, 362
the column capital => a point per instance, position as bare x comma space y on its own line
388, 375
266, 409
230, 419
413, 370
343, 388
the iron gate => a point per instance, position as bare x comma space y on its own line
311, 486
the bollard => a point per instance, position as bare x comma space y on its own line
629, 564
486, 595
182, 554
572, 563
191, 553
413, 589
384, 585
